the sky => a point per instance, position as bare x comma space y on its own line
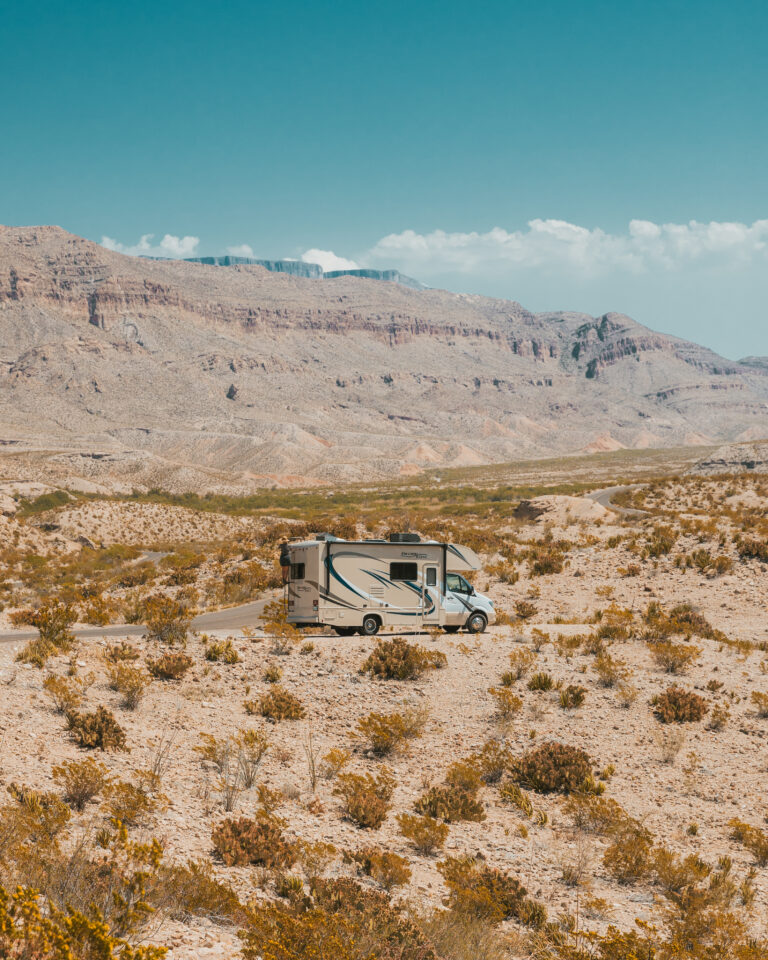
583, 156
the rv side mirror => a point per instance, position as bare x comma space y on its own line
471, 590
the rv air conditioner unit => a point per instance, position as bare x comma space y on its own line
404, 538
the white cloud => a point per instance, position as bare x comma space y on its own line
556, 245
328, 260
242, 250
169, 246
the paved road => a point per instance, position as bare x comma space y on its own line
233, 618
605, 498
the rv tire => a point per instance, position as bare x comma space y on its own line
476, 623
371, 626
452, 629
344, 631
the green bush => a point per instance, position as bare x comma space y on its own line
553, 768
396, 659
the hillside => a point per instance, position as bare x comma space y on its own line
123, 372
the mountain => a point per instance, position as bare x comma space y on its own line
131, 372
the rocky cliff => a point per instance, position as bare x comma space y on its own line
168, 372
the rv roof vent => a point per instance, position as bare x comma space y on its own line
404, 538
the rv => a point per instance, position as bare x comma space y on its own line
360, 586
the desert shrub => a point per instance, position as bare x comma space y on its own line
366, 798
676, 705
541, 682
66, 693
96, 730
524, 609
674, 657
32, 929
280, 704
628, 858
252, 746
760, 700
169, 666
240, 842
120, 652
600, 815
572, 696
386, 733
553, 768
450, 803
340, 920
272, 674
521, 661
485, 892
492, 760
131, 682
660, 542
546, 557
334, 762
396, 659
752, 548
81, 780
53, 620
427, 834
128, 803
752, 838
465, 775
507, 704
389, 869
511, 793
719, 717
195, 892
610, 670
166, 619
222, 651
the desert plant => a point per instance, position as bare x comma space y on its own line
719, 717
53, 620
628, 858
96, 730
674, 657
451, 803
81, 780
427, 834
511, 793
492, 760
541, 682
610, 670
524, 609
396, 659
521, 661
243, 841
169, 666
166, 619
553, 768
272, 674
120, 652
66, 693
128, 803
676, 705
252, 745
386, 733
670, 743
507, 704
389, 869
760, 700
222, 651
482, 891
131, 682
572, 696
752, 838
366, 798
281, 704
334, 762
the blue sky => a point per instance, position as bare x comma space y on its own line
554, 153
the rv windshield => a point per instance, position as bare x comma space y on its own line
456, 583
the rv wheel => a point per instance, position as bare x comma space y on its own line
344, 631
452, 629
371, 626
477, 623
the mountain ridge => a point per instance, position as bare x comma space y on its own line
186, 373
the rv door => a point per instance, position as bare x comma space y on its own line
430, 593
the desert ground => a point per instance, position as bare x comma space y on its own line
646, 832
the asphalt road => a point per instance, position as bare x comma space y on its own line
232, 618
605, 498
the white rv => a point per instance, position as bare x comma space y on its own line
359, 586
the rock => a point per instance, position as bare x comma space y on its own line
735, 458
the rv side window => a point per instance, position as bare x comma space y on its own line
297, 571
403, 571
431, 576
